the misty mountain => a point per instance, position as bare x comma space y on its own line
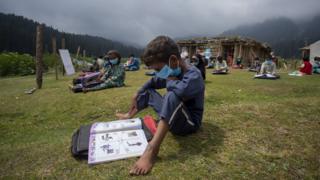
18, 34
284, 35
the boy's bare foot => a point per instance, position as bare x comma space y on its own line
123, 115
145, 163
128, 115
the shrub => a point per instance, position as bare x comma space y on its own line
12, 63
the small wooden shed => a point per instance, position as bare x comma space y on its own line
230, 48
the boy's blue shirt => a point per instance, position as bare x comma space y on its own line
190, 88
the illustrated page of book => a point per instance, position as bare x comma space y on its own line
119, 125
111, 146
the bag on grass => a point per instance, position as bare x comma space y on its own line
80, 142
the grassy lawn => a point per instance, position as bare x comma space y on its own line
252, 129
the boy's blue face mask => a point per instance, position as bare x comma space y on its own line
166, 71
114, 61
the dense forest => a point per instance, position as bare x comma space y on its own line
17, 34
284, 35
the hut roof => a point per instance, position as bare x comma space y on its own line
224, 39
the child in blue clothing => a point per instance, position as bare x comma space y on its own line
180, 110
133, 64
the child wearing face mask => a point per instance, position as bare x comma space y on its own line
113, 75
180, 110
199, 62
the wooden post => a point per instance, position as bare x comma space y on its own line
54, 53
63, 43
235, 53
78, 51
39, 56
84, 53
63, 46
220, 50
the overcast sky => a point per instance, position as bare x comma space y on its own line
138, 21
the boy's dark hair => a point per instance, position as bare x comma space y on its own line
159, 50
219, 58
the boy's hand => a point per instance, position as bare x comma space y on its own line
172, 78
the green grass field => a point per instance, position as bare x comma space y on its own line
252, 129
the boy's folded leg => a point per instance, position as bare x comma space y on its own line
148, 98
177, 116
144, 99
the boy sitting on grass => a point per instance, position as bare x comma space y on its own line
113, 75
221, 66
180, 110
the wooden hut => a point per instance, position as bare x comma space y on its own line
230, 48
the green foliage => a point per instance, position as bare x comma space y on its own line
49, 60
18, 34
13, 63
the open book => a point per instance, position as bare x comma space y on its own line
116, 140
266, 76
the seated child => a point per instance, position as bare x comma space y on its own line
316, 65
180, 110
199, 62
97, 64
238, 64
268, 70
256, 66
133, 64
305, 68
94, 73
112, 75
211, 63
221, 66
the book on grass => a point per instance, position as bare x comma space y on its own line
116, 140
265, 75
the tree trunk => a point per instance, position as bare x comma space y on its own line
54, 53
39, 56
78, 51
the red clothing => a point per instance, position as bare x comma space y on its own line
307, 68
